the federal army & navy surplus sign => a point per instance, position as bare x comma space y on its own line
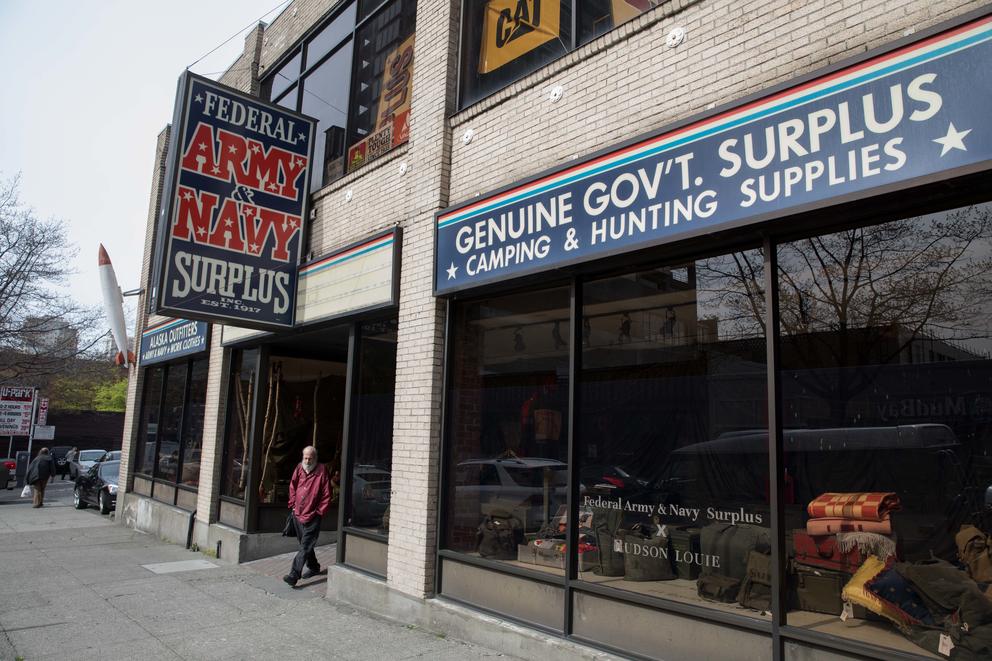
234, 208
918, 111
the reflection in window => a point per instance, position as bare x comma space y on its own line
244, 389
192, 435
886, 401
148, 424
599, 16
325, 98
672, 436
285, 76
508, 437
372, 435
172, 412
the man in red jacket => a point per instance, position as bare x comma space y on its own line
309, 498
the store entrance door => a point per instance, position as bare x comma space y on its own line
302, 403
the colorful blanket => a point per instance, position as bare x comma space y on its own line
837, 524
873, 506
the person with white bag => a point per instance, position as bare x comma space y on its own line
41, 469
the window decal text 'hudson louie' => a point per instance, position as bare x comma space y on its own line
907, 114
236, 229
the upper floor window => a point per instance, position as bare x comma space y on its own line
504, 40
354, 75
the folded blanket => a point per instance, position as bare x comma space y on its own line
836, 524
872, 506
857, 593
868, 543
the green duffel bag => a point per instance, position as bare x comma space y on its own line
645, 555
732, 544
715, 587
606, 525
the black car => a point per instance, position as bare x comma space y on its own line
98, 486
58, 453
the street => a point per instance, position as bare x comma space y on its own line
76, 585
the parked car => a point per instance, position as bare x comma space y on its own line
112, 455
369, 495
531, 489
83, 461
58, 453
98, 486
7, 469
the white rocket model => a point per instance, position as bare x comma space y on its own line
113, 307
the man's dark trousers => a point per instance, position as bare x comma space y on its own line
307, 534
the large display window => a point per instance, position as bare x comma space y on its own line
887, 430
881, 352
237, 439
507, 469
170, 428
672, 436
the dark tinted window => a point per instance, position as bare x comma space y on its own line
244, 392
148, 424
372, 436
192, 436
507, 439
172, 412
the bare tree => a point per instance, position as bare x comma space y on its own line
41, 327
863, 296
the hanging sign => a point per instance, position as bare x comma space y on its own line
173, 339
234, 208
16, 407
42, 411
918, 111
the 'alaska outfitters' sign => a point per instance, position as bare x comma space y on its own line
918, 111
234, 208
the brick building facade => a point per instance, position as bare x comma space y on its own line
527, 409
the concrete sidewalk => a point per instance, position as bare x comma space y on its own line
75, 585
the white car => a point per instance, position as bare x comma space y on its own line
84, 461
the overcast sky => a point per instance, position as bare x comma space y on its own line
90, 84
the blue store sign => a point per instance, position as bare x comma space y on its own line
234, 210
173, 339
919, 111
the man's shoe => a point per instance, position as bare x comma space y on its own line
310, 573
290, 580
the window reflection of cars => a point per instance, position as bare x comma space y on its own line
531, 489
7, 469
924, 464
58, 453
98, 486
84, 461
113, 455
369, 495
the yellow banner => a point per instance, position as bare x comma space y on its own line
511, 28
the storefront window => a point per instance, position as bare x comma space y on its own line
172, 411
372, 435
887, 416
672, 434
504, 40
244, 385
599, 16
148, 423
357, 83
193, 425
507, 465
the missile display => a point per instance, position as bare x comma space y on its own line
113, 307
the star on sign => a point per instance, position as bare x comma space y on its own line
452, 270
299, 162
198, 98
215, 170
254, 149
201, 231
271, 186
302, 137
187, 196
232, 149
228, 222
253, 247
953, 140
202, 146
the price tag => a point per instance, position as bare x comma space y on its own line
847, 613
945, 646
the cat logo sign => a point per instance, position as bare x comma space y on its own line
511, 28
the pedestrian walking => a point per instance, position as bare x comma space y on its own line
309, 499
70, 457
39, 472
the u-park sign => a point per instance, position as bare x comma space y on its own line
234, 208
916, 111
